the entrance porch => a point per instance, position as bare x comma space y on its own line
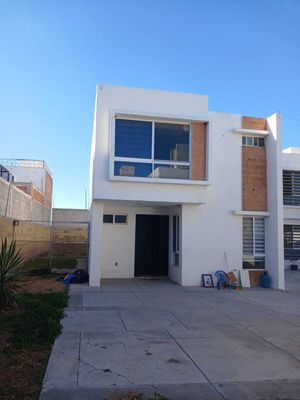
130, 239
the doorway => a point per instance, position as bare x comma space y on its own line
151, 245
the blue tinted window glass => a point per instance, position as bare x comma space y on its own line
133, 138
124, 168
171, 142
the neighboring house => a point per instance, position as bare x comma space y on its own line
291, 202
178, 190
32, 177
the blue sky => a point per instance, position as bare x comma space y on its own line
245, 54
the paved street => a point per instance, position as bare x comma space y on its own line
185, 343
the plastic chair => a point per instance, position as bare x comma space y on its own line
222, 279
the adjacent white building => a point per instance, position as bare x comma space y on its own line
178, 190
291, 208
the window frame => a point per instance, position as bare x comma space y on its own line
247, 257
291, 250
114, 219
129, 115
253, 139
152, 161
108, 215
291, 188
121, 215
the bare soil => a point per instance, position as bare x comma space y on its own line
37, 284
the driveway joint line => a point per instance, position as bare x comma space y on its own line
178, 320
258, 336
78, 365
139, 299
197, 366
123, 322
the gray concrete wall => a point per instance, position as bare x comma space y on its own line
70, 215
14, 203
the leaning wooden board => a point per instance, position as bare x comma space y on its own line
232, 277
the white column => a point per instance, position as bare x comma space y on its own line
274, 224
96, 240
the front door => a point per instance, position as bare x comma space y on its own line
151, 245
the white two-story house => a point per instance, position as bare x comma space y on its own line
179, 191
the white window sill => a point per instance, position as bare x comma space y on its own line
254, 132
159, 180
254, 269
251, 213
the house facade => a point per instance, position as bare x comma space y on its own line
179, 191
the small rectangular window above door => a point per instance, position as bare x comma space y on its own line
120, 219
108, 218
115, 219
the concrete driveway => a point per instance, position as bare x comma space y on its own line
185, 343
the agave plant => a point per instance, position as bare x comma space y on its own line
10, 270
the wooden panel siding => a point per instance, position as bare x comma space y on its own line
199, 151
254, 167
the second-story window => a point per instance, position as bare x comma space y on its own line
291, 188
152, 149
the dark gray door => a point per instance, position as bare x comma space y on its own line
151, 245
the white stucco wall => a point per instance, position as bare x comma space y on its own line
96, 242
119, 240
211, 230
141, 102
274, 223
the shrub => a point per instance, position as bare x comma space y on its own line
10, 270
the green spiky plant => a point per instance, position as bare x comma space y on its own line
10, 271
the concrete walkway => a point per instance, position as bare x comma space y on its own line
185, 343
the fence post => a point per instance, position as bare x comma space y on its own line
7, 200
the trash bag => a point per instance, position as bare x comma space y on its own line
81, 276
69, 279
78, 276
